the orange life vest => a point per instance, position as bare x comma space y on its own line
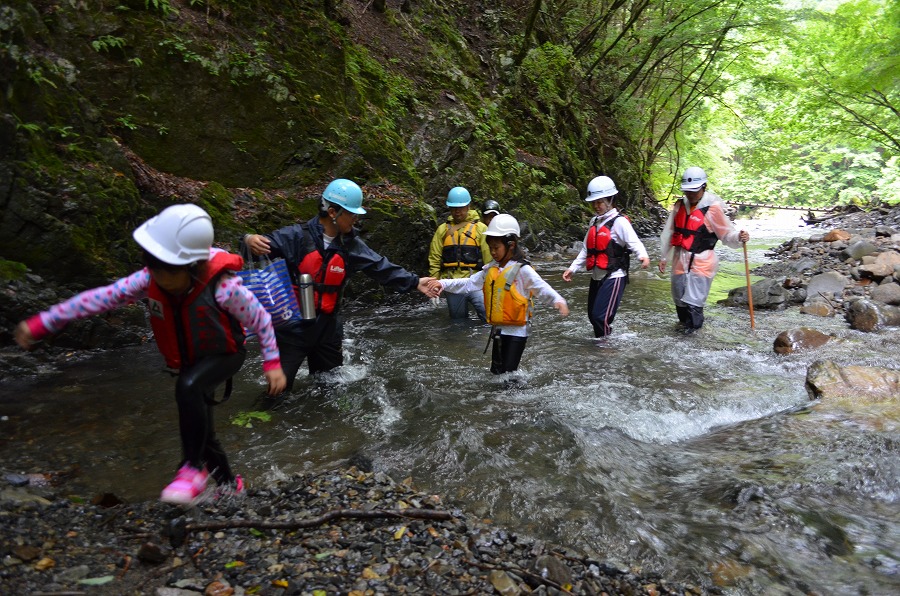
188, 328
602, 251
502, 301
689, 231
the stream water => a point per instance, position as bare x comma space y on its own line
697, 456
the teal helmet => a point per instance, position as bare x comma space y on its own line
458, 197
345, 194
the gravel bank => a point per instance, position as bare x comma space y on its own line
336, 532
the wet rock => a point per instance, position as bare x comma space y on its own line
826, 380
885, 231
767, 294
799, 339
836, 236
888, 293
804, 264
152, 553
860, 249
866, 315
830, 282
73, 574
552, 569
819, 308
16, 479
26, 553
504, 584
882, 267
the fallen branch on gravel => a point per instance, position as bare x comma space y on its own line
261, 524
178, 528
522, 572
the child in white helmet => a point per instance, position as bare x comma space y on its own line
608, 245
508, 283
198, 312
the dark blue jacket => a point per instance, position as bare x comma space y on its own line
292, 243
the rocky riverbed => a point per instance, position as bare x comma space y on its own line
336, 532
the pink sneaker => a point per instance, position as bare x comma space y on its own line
188, 485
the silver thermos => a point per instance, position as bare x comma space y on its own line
307, 301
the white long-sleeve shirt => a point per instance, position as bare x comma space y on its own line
621, 233
527, 283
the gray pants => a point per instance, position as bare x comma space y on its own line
690, 289
458, 305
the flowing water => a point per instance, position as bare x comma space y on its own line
697, 456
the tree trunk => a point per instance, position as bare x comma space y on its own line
529, 27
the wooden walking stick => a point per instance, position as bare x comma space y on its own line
749, 289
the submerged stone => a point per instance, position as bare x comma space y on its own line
826, 380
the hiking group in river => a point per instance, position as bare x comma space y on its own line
200, 311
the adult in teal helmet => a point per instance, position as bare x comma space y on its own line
458, 249
327, 248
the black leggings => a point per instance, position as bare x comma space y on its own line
193, 392
507, 353
319, 342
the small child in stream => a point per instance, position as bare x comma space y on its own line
508, 283
198, 312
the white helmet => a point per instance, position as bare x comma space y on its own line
503, 225
179, 235
600, 187
693, 178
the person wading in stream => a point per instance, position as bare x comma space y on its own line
198, 312
489, 209
609, 241
458, 249
328, 249
508, 284
690, 234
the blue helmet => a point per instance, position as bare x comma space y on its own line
458, 197
345, 194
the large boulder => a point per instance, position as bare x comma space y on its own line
860, 249
830, 283
882, 267
768, 294
887, 293
799, 339
867, 315
828, 381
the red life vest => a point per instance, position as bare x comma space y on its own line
602, 252
329, 272
188, 328
689, 232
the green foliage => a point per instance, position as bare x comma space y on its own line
105, 42
552, 71
246, 419
12, 270
162, 6
127, 121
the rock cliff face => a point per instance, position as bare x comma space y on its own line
112, 110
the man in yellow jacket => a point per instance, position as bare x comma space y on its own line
459, 249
